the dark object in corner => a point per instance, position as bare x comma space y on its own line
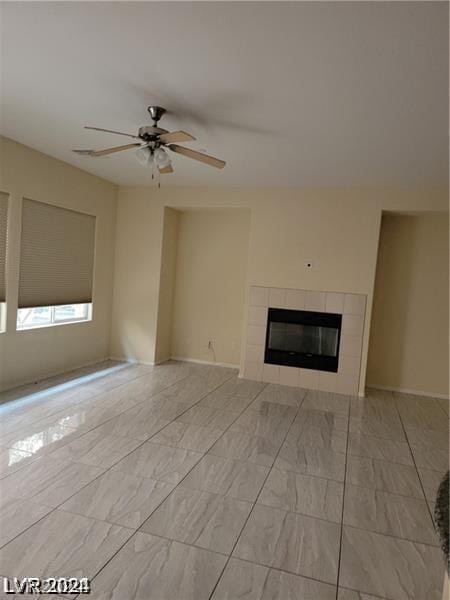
441, 515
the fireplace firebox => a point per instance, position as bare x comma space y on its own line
299, 338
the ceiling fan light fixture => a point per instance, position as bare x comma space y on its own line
162, 158
144, 156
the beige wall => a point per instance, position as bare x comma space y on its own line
29, 355
335, 230
409, 340
167, 285
136, 275
210, 284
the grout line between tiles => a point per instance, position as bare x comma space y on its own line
414, 461
343, 502
256, 500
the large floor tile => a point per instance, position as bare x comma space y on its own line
101, 408
360, 444
153, 568
49, 481
265, 408
138, 423
62, 545
334, 440
383, 475
383, 408
234, 395
242, 446
250, 422
164, 463
207, 520
246, 581
327, 401
307, 460
235, 404
37, 406
11, 460
282, 394
291, 542
237, 479
390, 514
311, 417
185, 435
381, 428
17, 515
163, 408
91, 413
186, 392
42, 438
390, 567
206, 416
97, 449
119, 498
311, 496
212, 375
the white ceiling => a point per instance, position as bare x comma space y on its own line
290, 94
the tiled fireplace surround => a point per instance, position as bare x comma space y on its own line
351, 306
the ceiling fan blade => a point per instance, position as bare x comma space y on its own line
112, 131
176, 136
112, 150
204, 158
164, 170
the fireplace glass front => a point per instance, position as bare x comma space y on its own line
303, 339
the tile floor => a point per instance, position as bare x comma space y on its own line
183, 482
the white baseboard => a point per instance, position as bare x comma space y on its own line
406, 391
205, 362
134, 361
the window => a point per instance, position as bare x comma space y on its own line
56, 256
47, 316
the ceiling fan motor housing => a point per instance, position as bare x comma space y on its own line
149, 133
156, 112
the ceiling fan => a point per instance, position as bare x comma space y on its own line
152, 145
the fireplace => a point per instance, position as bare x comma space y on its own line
299, 338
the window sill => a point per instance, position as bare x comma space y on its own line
51, 325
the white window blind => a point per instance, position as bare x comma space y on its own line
56, 257
3, 228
